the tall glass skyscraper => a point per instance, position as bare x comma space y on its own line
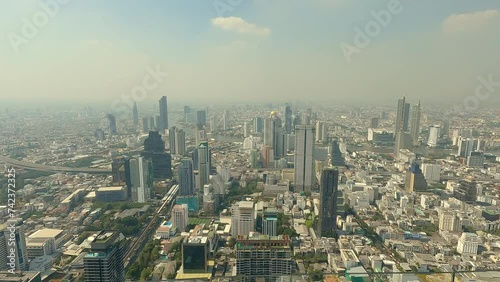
163, 114
186, 177
328, 207
304, 158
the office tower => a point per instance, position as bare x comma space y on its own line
263, 258
180, 142
158, 124
154, 149
200, 134
213, 124
270, 222
112, 124
468, 244
321, 135
288, 119
145, 125
268, 132
204, 163
374, 122
141, 178
171, 140
306, 118
449, 221
402, 113
180, 217
120, 168
187, 110
304, 161
466, 146
135, 114
336, 158
446, 128
163, 114
434, 133
328, 206
476, 159
104, 261
242, 218
201, 117
152, 124
225, 125
415, 180
195, 254
246, 129
99, 134
432, 172
258, 125
186, 177
467, 191
296, 121
415, 122
289, 142
403, 141
13, 251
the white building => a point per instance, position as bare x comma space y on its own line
180, 217
434, 133
432, 172
242, 218
449, 221
304, 160
468, 244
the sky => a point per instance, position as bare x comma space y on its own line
325, 51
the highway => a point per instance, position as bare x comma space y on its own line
50, 168
136, 246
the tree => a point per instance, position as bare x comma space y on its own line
232, 242
145, 273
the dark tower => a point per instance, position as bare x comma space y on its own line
154, 149
163, 114
135, 113
328, 207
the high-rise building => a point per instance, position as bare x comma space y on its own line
104, 262
195, 254
180, 217
434, 134
288, 119
468, 244
327, 224
225, 125
320, 132
13, 251
120, 170
258, 125
201, 117
449, 221
304, 160
154, 149
171, 140
112, 124
152, 124
141, 178
467, 191
246, 129
402, 114
135, 113
186, 177
158, 124
177, 141
213, 124
145, 125
432, 172
263, 258
374, 122
466, 146
415, 122
415, 180
270, 222
99, 134
242, 218
476, 159
163, 114
306, 118
446, 128
336, 157
403, 141
203, 163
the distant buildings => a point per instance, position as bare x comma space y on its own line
135, 114
415, 180
258, 125
374, 122
402, 114
304, 161
263, 258
242, 218
112, 124
104, 261
201, 117
327, 224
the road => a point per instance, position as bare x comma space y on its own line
137, 244
50, 168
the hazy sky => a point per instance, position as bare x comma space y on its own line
226, 50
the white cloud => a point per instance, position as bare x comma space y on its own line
469, 22
240, 25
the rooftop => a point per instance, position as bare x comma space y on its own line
109, 189
46, 233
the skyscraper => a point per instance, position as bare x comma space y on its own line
141, 178
336, 157
13, 245
154, 149
374, 122
104, 260
204, 163
434, 133
180, 216
402, 114
288, 119
112, 124
201, 117
145, 125
328, 207
242, 218
225, 125
415, 122
135, 113
246, 129
415, 179
163, 114
171, 140
304, 161
320, 132
180, 142
186, 177
270, 222
258, 125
